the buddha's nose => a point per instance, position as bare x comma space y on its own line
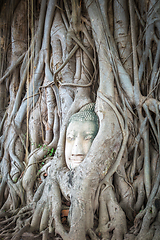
77, 147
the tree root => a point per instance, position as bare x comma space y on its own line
8, 226
146, 230
45, 234
117, 223
19, 234
92, 234
11, 69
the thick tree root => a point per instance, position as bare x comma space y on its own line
19, 234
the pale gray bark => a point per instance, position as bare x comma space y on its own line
80, 52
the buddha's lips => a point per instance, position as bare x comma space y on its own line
77, 158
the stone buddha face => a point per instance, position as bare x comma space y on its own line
81, 131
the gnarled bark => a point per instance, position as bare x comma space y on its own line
65, 55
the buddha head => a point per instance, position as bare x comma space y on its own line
81, 131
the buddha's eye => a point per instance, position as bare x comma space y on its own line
70, 138
89, 137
